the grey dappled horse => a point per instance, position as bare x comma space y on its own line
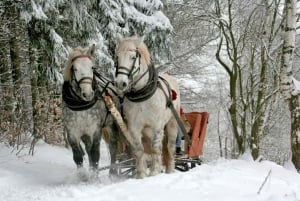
84, 112
146, 103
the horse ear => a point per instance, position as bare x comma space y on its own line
91, 50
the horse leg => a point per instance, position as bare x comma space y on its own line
156, 151
92, 149
77, 150
171, 131
138, 150
113, 139
95, 151
140, 161
88, 144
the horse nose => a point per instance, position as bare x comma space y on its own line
122, 85
88, 96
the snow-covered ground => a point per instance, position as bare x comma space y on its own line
50, 175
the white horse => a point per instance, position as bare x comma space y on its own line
146, 106
85, 115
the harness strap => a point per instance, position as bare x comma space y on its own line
86, 80
81, 56
105, 86
171, 106
130, 73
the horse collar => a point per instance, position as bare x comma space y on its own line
73, 101
148, 90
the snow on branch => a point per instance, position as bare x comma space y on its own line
296, 88
38, 12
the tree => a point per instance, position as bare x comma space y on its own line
247, 37
249, 61
288, 84
16, 87
34, 62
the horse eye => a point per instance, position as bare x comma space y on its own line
133, 57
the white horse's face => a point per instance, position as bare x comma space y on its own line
82, 75
128, 66
129, 62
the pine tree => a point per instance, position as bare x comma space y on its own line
49, 26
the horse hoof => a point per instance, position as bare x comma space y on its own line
83, 175
153, 173
141, 175
170, 170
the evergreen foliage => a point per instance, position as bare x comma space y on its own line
34, 35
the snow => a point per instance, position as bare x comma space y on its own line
38, 12
157, 19
296, 89
51, 175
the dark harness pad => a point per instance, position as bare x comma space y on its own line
73, 101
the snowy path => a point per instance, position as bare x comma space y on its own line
51, 176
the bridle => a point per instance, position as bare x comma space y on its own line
139, 95
130, 72
85, 79
70, 92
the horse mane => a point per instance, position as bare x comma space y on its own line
74, 52
141, 47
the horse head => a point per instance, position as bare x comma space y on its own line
132, 64
79, 71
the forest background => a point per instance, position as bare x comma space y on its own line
228, 55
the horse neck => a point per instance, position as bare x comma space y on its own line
142, 82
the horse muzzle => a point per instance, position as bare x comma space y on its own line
86, 92
87, 96
122, 85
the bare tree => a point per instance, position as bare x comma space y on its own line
247, 51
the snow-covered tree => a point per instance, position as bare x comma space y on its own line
73, 22
43, 28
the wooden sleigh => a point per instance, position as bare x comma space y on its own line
192, 152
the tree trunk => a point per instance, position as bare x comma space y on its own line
295, 130
287, 85
6, 91
257, 126
20, 73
